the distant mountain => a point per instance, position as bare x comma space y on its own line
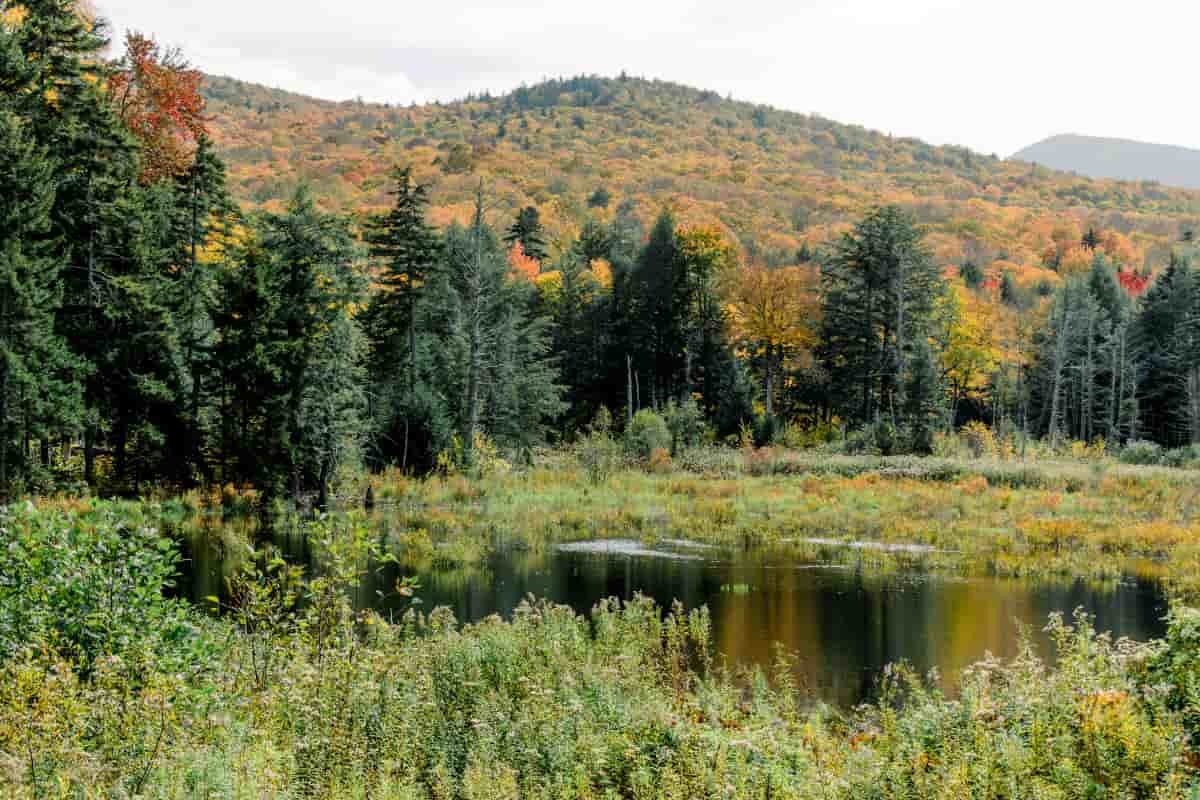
1123, 159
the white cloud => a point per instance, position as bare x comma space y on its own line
341, 83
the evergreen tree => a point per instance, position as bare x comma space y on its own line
972, 274
657, 309
880, 285
39, 389
297, 284
1010, 293
408, 250
204, 214
248, 345
493, 357
95, 163
1166, 309
527, 229
923, 398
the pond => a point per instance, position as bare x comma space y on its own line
845, 623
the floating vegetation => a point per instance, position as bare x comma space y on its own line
623, 547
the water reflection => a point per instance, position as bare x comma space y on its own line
844, 623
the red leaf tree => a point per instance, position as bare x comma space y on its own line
156, 93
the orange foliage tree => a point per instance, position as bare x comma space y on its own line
156, 93
522, 265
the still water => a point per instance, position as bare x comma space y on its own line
844, 623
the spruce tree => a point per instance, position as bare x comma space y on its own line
657, 314
923, 398
1165, 310
204, 214
527, 229
880, 285
39, 389
408, 251
311, 271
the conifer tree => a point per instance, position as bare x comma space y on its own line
39, 389
204, 215
311, 268
880, 285
658, 305
923, 398
527, 229
408, 250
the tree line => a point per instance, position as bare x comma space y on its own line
151, 332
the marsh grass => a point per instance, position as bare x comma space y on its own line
1092, 517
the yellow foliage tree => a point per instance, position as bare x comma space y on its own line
775, 314
969, 348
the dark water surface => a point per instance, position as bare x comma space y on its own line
845, 623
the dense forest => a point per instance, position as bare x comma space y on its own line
154, 331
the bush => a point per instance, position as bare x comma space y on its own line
483, 458
885, 437
1176, 667
766, 429
648, 432
660, 461
979, 439
685, 421
1143, 453
599, 455
800, 436
1182, 457
763, 461
91, 584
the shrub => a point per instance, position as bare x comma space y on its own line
660, 461
885, 437
599, 455
648, 432
1176, 667
799, 436
1141, 452
91, 584
685, 421
766, 428
482, 460
979, 439
745, 437
1182, 457
762, 461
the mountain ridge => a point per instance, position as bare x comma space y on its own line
1117, 158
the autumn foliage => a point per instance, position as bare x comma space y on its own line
522, 265
156, 94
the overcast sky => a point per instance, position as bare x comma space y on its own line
994, 75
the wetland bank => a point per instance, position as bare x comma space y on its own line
868, 593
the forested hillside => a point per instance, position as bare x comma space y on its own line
1097, 157
776, 182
